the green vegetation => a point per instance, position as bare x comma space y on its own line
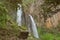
8, 27
49, 34
46, 34
5, 18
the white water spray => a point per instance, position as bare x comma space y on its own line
19, 15
33, 27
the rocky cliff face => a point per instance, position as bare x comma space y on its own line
33, 9
52, 21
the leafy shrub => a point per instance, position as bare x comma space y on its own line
3, 15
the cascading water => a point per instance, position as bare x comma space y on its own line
19, 21
33, 27
19, 15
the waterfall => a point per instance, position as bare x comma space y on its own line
19, 21
33, 27
19, 15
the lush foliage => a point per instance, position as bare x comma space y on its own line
3, 15
5, 19
6, 22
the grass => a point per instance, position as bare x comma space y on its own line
45, 34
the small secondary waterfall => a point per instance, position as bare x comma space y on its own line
19, 15
33, 27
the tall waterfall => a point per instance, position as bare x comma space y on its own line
33, 27
19, 15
